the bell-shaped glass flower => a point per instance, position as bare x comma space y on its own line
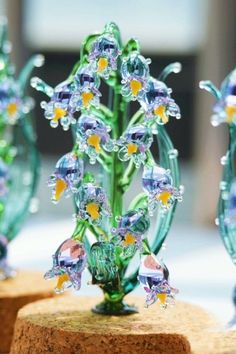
104, 53
87, 93
131, 229
68, 264
60, 108
92, 203
93, 136
157, 102
154, 278
12, 104
66, 177
158, 184
135, 73
134, 144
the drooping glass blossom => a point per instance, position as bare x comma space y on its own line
104, 53
92, 203
132, 228
225, 108
158, 185
135, 72
230, 219
134, 144
93, 136
60, 108
12, 104
66, 177
157, 102
68, 264
154, 278
87, 84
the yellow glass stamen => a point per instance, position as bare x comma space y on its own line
102, 64
164, 197
61, 280
60, 187
162, 298
93, 210
132, 149
129, 239
58, 114
135, 87
86, 98
94, 140
230, 112
161, 112
12, 109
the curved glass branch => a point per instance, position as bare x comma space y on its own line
35, 61
169, 69
210, 87
41, 86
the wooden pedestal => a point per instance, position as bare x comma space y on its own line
15, 293
67, 326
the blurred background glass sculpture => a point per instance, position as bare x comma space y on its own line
19, 164
111, 239
224, 111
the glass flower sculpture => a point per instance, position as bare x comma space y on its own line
18, 155
108, 234
224, 111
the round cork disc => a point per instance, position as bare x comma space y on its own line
15, 293
67, 326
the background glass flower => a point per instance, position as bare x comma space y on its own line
68, 264
66, 177
135, 72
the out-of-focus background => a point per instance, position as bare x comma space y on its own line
198, 33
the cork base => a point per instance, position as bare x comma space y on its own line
67, 326
15, 293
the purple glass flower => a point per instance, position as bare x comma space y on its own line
134, 144
154, 278
158, 185
135, 72
68, 264
60, 108
66, 177
157, 102
104, 53
92, 203
93, 136
132, 228
87, 93
4, 176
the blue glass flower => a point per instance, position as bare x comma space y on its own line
68, 264
154, 278
157, 102
59, 108
4, 176
231, 206
66, 177
12, 104
93, 136
92, 203
104, 53
158, 185
134, 144
135, 73
132, 228
87, 84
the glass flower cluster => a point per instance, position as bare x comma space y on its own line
103, 135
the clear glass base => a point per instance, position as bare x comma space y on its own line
114, 309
